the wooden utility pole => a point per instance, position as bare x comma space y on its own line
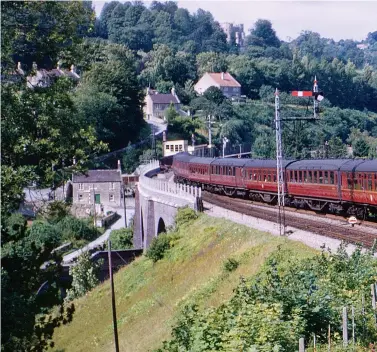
113, 298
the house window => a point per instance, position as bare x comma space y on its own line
111, 198
176, 148
180, 147
112, 185
80, 197
167, 147
81, 186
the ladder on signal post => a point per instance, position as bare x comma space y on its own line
318, 97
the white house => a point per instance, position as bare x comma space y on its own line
224, 81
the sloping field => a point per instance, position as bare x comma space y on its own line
148, 295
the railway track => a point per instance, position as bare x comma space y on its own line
342, 232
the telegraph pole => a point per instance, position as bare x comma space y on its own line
279, 166
113, 298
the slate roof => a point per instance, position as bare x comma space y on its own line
164, 98
319, 164
228, 81
93, 176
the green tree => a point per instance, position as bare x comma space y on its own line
211, 62
121, 239
123, 116
84, 276
337, 149
43, 31
263, 35
360, 148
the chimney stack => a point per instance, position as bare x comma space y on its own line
173, 91
222, 75
119, 167
164, 136
73, 68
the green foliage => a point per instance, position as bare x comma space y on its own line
263, 35
24, 323
286, 300
122, 238
72, 229
185, 216
231, 264
43, 32
360, 148
56, 211
84, 276
159, 246
214, 95
44, 234
110, 98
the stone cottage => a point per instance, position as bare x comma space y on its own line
97, 191
156, 103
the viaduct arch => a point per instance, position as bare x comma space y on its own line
156, 204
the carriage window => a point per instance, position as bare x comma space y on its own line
259, 176
356, 183
349, 181
369, 182
274, 177
320, 177
332, 177
326, 177
268, 178
300, 176
234, 171
310, 177
315, 176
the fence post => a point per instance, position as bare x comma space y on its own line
301, 345
353, 327
329, 339
314, 343
345, 328
374, 294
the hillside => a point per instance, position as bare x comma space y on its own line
150, 296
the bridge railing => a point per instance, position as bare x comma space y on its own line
164, 187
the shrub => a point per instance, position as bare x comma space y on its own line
185, 215
44, 234
231, 264
56, 211
84, 276
77, 229
159, 246
121, 239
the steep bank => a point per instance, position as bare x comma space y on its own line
149, 296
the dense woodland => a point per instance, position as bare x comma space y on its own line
50, 132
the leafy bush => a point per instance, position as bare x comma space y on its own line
185, 215
159, 246
121, 239
231, 264
56, 211
287, 300
44, 234
84, 276
77, 229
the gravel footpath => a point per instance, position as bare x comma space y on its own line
310, 239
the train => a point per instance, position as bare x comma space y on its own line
339, 186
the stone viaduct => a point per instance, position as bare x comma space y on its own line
157, 202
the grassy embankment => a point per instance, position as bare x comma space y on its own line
149, 296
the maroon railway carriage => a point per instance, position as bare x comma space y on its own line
259, 178
335, 185
359, 183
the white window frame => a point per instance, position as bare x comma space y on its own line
112, 185
80, 197
81, 186
111, 197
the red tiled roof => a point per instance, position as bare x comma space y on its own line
228, 81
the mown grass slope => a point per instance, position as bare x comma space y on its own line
149, 295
